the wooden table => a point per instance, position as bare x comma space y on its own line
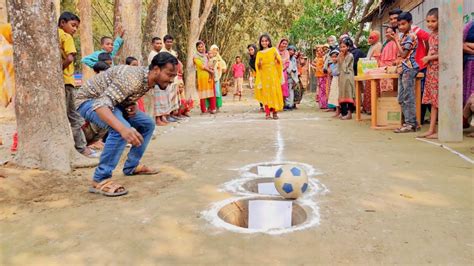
373, 95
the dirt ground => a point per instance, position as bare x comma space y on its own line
391, 200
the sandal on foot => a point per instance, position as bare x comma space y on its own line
268, 117
90, 153
405, 129
275, 116
108, 188
144, 170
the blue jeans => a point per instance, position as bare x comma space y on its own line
406, 95
115, 144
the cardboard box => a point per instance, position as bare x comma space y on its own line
365, 65
389, 112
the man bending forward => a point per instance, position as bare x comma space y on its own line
109, 101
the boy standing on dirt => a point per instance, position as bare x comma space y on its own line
68, 24
408, 69
238, 70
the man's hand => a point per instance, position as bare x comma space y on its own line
132, 136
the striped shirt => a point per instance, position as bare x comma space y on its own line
409, 43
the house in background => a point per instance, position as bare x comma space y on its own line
378, 16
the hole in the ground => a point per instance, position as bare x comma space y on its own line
252, 185
237, 212
254, 170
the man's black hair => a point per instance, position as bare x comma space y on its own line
433, 12
129, 60
155, 39
100, 66
395, 11
68, 16
405, 16
102, 40
104, 57
162, 59
167, 37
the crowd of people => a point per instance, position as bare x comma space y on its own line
110, 112
282, 74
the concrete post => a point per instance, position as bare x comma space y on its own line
450, 72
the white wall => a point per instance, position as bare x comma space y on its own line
419, 12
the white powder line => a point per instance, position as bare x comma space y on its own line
449, 149
212, 216
236, 186
256, 120
280, 144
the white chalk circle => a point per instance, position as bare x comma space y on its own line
232, 214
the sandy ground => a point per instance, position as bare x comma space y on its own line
391, 200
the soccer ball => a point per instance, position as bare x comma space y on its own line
291, 181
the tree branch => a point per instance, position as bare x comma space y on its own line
361, 25
205, 14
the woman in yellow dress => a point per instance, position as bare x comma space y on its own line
205, 78
269, 77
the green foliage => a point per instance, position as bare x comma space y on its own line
320, 19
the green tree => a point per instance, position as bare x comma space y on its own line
320, 19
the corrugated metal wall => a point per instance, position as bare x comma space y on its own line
419, 9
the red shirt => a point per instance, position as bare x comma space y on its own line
239, 70
421, 49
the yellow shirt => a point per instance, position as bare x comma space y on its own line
7, 77
66, 43
6, 31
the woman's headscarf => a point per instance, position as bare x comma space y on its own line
285, 55
201, 56
216, 49
332, 41
376, 47
375, 36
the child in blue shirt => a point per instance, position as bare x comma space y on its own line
108, 46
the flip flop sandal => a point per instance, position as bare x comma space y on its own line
268, 117
406, 129
108, 188
144, 170
275, 116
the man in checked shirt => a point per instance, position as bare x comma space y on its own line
109, 101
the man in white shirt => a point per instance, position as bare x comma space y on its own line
156, 45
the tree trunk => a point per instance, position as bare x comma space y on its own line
3, 12
128, 15
156, 23
45, 139
195, 28
85, 30
361, 25
57, 8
